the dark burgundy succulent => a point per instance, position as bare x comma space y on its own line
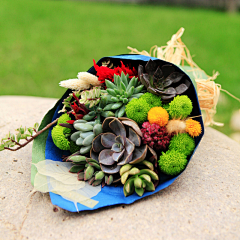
155, 136
119, 144
164, 81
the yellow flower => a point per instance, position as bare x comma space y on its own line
158, 115
193, 127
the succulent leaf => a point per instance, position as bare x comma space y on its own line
76, 168
138, 182
134, 171
77, 159
118, 155
108, 139
125, 168
118, 128
124, 177
110, 169
105, 157
85, 150
88, 173
165, 81
100, 175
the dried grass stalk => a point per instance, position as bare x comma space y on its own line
177, 53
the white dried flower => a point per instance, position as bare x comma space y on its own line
89, 78
75, 84
85, 81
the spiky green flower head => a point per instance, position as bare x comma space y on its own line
182, 143
172, 162
63, 118
180, 107
152, 99
59, 138
73, 147
137, 110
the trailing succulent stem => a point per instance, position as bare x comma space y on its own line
12, 140
120, 92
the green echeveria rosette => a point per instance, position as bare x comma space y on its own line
121, 92
180, 107
137, 110
152, 100
182, 143
172, 162
98, 111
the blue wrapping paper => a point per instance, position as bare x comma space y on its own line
111, 195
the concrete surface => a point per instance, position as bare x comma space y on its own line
203, 203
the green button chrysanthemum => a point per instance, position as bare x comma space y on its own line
152, 100
59, 138
180, 107
63, 118
172, 162
73, 147
182, 143
137, 110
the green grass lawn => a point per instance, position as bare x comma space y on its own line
44, 42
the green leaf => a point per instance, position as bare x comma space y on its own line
138, 89
110, 84
117, 105
39, 143
24, 136
131, 83
121, 111
124, 79
18, 137
189, 71
36, 125
123, 87
30, 130
108, 107
1, 147
111, 92
130, 91
7, 144
13, 137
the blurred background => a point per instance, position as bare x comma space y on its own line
44, 42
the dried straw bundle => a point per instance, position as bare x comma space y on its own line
177, 53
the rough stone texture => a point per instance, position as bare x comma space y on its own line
203, 203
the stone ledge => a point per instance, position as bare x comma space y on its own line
203, 203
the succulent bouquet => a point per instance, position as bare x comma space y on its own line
123, 130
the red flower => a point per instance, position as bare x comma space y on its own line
78, 109
104, 73
70, 121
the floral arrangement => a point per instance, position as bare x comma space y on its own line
123, 130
